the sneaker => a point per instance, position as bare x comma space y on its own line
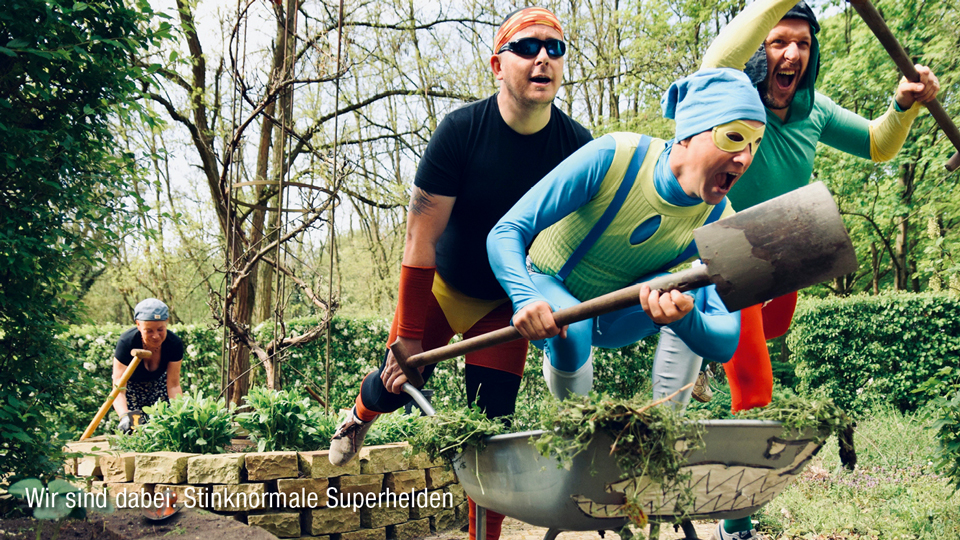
702, 391
720, 534
348, 440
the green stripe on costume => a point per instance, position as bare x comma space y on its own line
612, 262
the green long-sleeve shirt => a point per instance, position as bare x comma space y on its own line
784, 161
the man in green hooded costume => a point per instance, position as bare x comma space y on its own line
775, 43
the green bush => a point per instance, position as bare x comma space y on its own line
357, 348
869, 350
192, 423
284, 420
65, 186
624, 372
944, 408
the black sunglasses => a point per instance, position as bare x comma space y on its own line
529, 47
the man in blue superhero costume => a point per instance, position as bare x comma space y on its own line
616, 212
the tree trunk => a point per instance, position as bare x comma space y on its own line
241, 310
875, 268
902, 244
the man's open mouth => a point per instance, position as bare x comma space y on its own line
725, 180
785, 78
540, 80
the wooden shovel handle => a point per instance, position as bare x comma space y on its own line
616, 300
122, 383
872, 17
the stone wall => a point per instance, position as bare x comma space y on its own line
385, 493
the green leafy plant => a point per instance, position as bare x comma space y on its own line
866, 351
284, 420
57, 500
192, 423
391, 428
944, 390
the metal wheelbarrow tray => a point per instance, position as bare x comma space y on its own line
741, 466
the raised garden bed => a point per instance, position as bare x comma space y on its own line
385, 493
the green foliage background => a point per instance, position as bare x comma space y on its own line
65, 70
868, 353
868, 350
859, 350
356, 347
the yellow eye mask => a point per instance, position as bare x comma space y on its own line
734, 136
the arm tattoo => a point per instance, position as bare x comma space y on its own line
421, 202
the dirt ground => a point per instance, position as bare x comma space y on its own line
518, 530
73, 529
130, 525
193, 525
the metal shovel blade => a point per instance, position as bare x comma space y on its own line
777, 247
166, 509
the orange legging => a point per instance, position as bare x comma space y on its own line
749, 372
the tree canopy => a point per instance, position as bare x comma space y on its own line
66, 69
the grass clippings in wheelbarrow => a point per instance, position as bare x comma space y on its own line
817, 413
648, 439
645, 436
449, 432
801, 413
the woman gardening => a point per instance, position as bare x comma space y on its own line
156, 378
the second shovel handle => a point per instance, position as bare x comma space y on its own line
875, 21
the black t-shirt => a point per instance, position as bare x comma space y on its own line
171, 351
477, 158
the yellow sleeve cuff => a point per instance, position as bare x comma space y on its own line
888, 132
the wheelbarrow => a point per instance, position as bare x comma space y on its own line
740, 466
774, 248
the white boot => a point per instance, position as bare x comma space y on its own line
674, 366
721, 534
562, 383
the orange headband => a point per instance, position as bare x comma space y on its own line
522, 19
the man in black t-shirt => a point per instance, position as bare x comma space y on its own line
479, 162
156, 378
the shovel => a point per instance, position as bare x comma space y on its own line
137, 354
777, 247
168, 507
872, 17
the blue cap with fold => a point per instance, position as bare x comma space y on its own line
711, 97
151, 309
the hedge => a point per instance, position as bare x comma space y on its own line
860, 350
357, 347
863, 350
